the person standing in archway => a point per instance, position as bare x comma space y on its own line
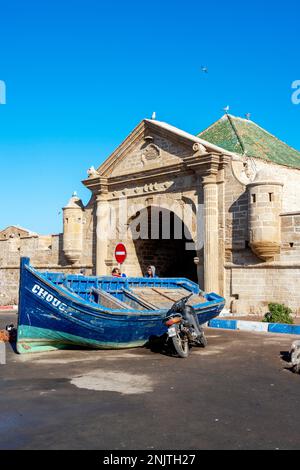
151, 272
116, 272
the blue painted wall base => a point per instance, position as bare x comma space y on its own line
255, 326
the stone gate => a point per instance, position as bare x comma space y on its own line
221, 208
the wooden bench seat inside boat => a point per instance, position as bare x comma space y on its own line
160, 297
109, 301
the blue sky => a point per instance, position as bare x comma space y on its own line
80, 75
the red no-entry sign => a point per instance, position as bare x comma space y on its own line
120, 253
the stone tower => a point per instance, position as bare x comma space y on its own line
73, 229
265, 206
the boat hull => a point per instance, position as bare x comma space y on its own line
33, 339
51, 318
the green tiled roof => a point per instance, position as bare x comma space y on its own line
244, 136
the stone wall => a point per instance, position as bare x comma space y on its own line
46, 254
9, 286
290, 177
236, 219
42, 250
290, 238
15, 232
250, 282
251, 289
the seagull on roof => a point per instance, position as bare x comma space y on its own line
204, 68
153, 116
226, 109
248, 116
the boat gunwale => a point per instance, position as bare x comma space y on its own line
82, 304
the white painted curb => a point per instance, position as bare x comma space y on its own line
252, 326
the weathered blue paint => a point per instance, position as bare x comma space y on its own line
281, 328
226, 324
56, 311
284, 328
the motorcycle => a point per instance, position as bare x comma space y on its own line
184, 330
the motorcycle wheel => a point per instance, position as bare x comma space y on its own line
181, 345
202, 341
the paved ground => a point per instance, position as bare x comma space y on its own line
235, 394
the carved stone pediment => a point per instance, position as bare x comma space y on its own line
148, 153
154, 145
151, 152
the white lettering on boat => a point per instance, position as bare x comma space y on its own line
49, 298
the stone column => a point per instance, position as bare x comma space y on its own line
102, 234
211, 239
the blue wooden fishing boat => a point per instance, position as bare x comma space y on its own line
58, 311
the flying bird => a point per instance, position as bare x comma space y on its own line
204, 69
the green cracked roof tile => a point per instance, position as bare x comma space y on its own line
244, 136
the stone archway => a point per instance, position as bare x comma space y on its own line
161, 238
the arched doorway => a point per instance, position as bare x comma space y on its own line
161, 239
